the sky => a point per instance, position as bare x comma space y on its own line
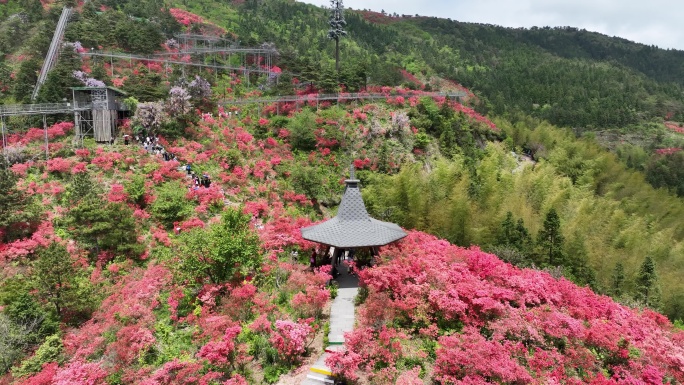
653, 22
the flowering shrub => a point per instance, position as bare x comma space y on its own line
88, 81
178, 102
184, 17
149, 115
42, 237
500, 323
479, 359
310, 303
80, 373
199, 88
21, 168
131, 342
38, 134
221, 352
117, 194
291, 339
675, 127
44, 377
132, 303
667, 151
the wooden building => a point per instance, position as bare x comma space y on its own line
98, 111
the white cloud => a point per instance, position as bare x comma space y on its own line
653, 22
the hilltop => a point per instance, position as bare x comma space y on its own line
534, 254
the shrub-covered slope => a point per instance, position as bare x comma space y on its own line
434, 311
117, 268
128, 274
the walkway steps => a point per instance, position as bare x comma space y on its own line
317, 379
341, 321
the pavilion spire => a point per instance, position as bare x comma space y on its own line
352, 227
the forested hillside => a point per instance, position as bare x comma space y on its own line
572, 78
544, 207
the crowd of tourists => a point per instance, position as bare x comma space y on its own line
198, 181
152, 145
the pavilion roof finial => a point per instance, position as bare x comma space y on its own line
352, 226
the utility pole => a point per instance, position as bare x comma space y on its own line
47, 155
337, 25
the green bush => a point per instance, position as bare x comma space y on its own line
171, 204
361, 296
422, 140
326, 332
272, 373
302, 131
49, 351
135, 188
332, 287
307, 180
222, 251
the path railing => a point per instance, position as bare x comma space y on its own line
39, 109
339, 97
157, 59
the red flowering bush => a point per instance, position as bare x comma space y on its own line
221, 352
80, 373
117, 194
131, 342
495, 322
311, 302
184, 17
291, 339
21, 168
59, 165
667, 151
479, 359
38, 134
367, 349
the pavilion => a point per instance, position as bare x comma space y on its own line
352, 227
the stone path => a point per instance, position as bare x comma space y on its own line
341, 321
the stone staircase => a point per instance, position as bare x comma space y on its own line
341, 321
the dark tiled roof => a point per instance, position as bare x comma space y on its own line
353, 227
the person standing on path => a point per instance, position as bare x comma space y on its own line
312, 260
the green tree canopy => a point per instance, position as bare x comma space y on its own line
57, 281
19, 214
224, 251
550, 240
104, 226
647, 286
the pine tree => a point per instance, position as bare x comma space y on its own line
103, 226
523, 238
18, 213
550, 240
647, 283
506, 231
81, 186
55, 277
618, 279
26, 79
577, 262
336, 31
